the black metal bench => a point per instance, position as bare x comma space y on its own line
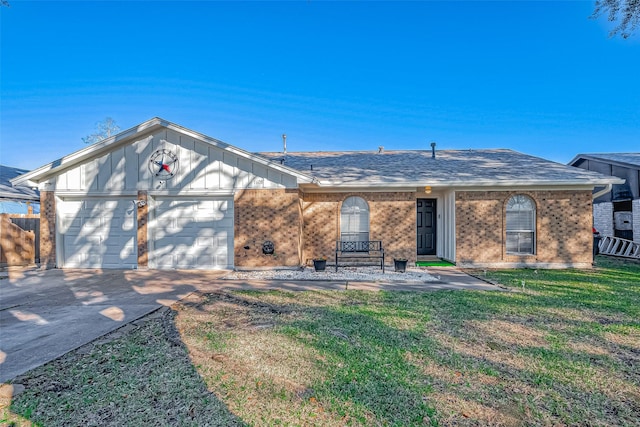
368, 249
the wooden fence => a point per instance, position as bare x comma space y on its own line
19, 239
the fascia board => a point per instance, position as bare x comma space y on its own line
35, 176
9, 196
603, 160
440, 188
576, 158
440, 184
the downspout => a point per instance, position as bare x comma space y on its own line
602, 192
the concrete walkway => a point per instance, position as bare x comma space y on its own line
45, 314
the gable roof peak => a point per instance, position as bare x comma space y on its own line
106, 145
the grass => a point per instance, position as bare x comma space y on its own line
559, 348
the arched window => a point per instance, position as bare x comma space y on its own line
354, 220
521, 225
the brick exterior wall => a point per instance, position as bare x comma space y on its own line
635, 206
143, 219
392, 219
273, 215
47, 229
603, 218
563, 229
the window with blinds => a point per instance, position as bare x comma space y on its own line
354, 220
521, 225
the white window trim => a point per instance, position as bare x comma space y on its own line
515, 231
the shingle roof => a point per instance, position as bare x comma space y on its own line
449, 167
631, 159
7, 191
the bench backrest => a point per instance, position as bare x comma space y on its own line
361, 246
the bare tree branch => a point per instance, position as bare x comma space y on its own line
104, 130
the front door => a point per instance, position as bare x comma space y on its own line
426, 226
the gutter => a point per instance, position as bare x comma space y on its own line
486, 183
602, 192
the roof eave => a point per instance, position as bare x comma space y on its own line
34, 177
8, 196
37, 175
602, 160
487, 183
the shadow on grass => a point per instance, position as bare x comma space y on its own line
139, 375
562, 351
403, 358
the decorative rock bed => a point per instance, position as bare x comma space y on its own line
369, 274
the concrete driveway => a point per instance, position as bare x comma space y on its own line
46, 313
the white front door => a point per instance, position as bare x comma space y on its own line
98, 233
191, 233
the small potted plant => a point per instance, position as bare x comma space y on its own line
400, 264
320, 263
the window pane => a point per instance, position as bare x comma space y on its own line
520, 202
521, 225
354, 220
521, 243
520, 221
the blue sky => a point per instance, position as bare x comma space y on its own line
536, 77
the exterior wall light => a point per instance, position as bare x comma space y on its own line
427, 189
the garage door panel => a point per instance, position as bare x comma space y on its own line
94, 260
128, 224
205, 242
194, 233
98, 233
184, 261
226, 222
69, 222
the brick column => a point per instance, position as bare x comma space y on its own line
47, 229
143, 215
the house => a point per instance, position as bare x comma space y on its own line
16, 200
616, 213
163, 196
19, 220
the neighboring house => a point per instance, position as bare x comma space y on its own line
163, 196
616, 213
16, 200
19, 221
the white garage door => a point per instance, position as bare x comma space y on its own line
191, 233
98, 233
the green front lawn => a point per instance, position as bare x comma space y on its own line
555, 348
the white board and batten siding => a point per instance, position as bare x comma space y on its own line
203, 167
190, 215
